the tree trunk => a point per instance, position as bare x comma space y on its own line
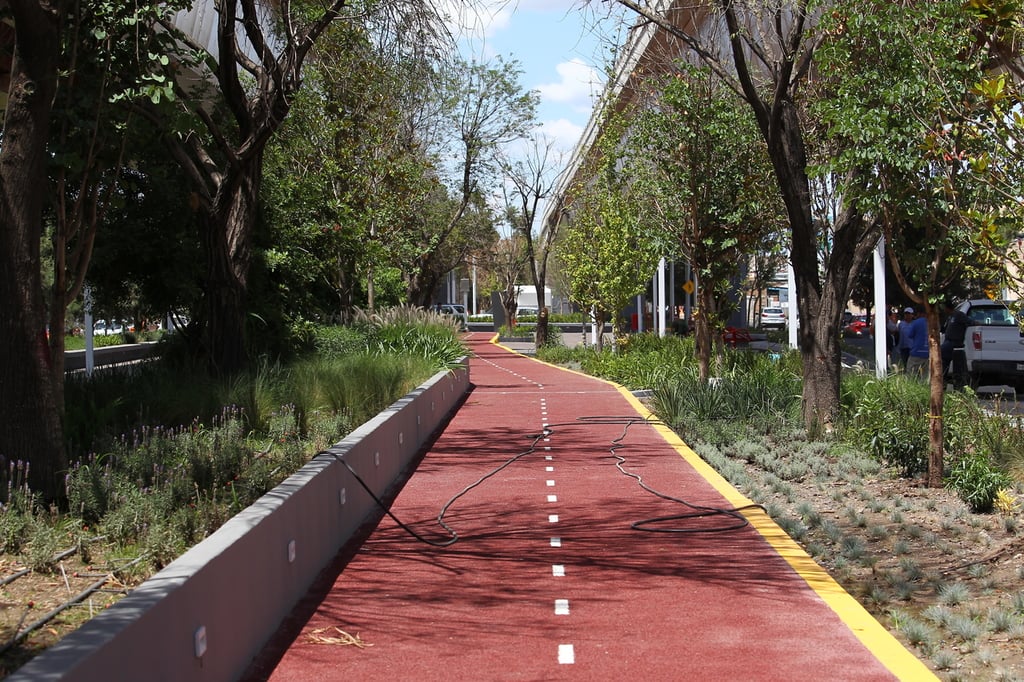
820, 353
541, 329
936, 396
228, 241
420, 285
702, 333
599, 330
539, 273
821, 296
31, 429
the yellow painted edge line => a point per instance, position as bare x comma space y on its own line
900, 661
879, 641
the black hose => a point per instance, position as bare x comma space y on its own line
701, 511
453, 535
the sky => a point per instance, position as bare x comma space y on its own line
560, 48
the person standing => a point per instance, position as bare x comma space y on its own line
892, 335
917, 336
903, 344
956, 329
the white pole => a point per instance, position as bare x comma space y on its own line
640, 313
474, 286
881, 312
792, 315
661, 297
90, 360
672, 292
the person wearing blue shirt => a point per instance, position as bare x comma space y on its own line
917, 338
904, 345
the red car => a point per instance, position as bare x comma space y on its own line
859, 326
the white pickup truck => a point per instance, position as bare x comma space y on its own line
993, 345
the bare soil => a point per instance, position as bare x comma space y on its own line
56, 603
946, 582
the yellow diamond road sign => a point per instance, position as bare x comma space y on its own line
688, 286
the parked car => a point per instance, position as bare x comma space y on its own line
773, 318
993, 344
859, 326
453, 309
525, 311
104, 327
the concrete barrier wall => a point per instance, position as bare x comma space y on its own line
109, 355
207, 614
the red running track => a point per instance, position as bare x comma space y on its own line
548, 581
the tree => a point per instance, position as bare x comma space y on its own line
532, 182
903, 112
506, 262
995, 114
31, 429
344, 177
699, 162
99, 62
104, 64
767, 61
608, 250
256, 75
483, 108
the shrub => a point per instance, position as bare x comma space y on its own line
977, 482
640, 361
557, 354
688, 398
16, 525
338, 341
753, 388
971, 429
415, 332
890, 419
554, 336
47, 541
1007, 503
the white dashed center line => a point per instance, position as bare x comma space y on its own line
566, 652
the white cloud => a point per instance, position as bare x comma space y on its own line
475, 21
579, 85
563, 132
